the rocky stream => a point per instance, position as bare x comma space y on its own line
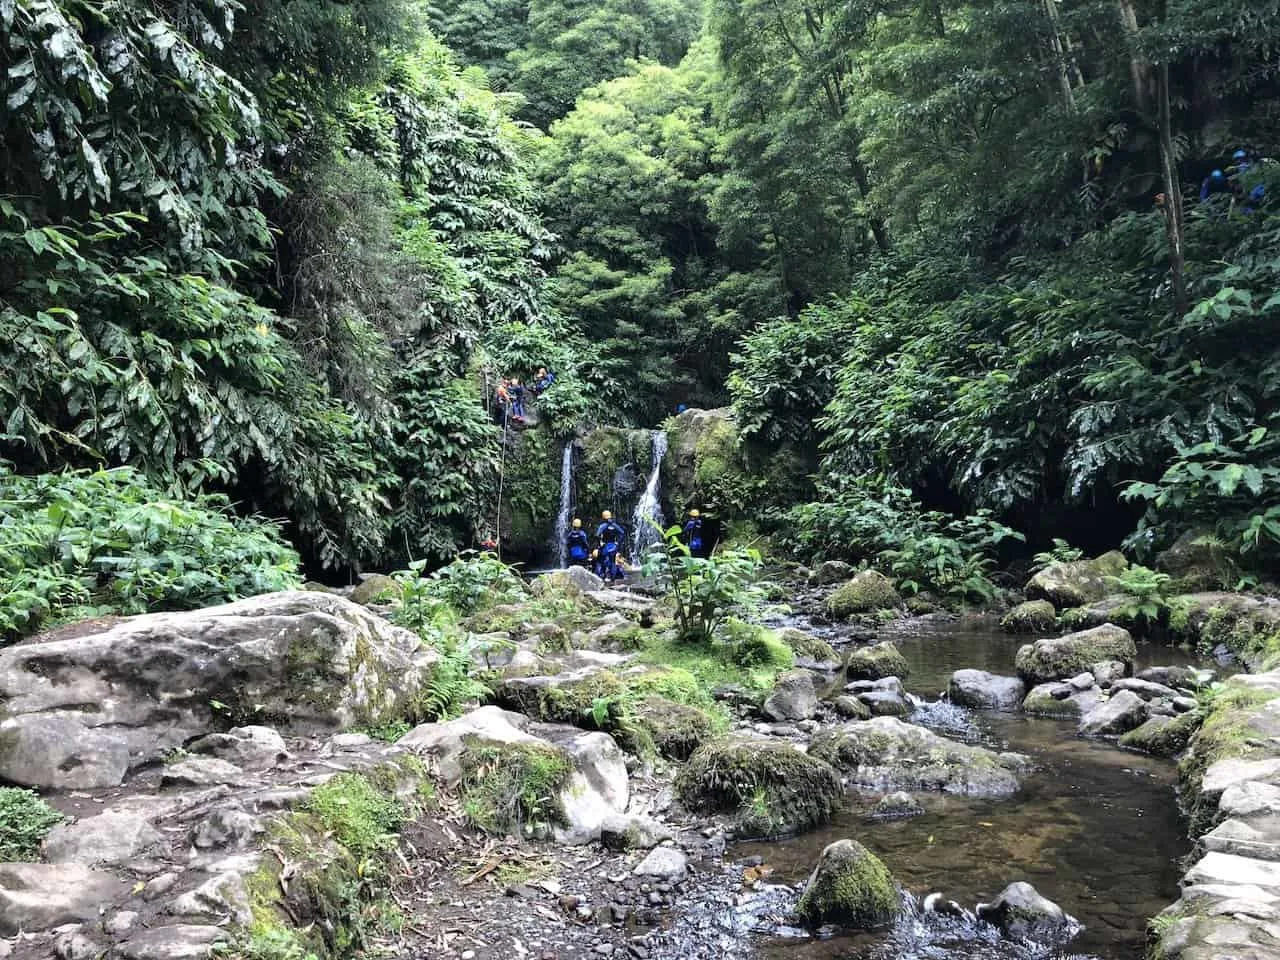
958, 788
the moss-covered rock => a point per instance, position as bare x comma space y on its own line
1073, 654
1078, 582
808, 647
877, 661
1060, 701
675, 729
769, 787
1197, 561
611, 472
1163, 736
849, 887
704, 463
1248, 626
886, 754
1031, 616
375, 587
531, 494
865, 593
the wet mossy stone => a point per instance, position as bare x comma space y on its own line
849, 887
877, 661
1078, 582
1073, 654
867, 592
1031, 616
771, 788
808, 647
1163, 736
676, 729
374, 588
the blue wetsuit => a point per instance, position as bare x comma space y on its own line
579, 548
610, 536
693, 536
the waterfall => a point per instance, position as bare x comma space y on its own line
566, 506
649, 508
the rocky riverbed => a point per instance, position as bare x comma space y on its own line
222, 789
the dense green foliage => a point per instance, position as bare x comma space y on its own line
79, 543
24, 821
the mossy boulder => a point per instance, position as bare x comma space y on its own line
531, 494
770, 788
886, 754
849, 887
1197, 561
1078, 582
1248, 626
1061, 701
1163, 736
1031, 616
829, 572
704, 462
807, 647
590, 697
571, 582
675, 729
1073, 654
373, 588
867, 592
610, 473
877, 661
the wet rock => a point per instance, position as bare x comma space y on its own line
108, 838
118, 924
887, 754
629, 831
40, 896
219, 899
877, 661
1078, 582
1146, 689
676, 729
851, 708
252, 748
890, 684
885, 703
1061, 700
985, 691
849, 887
1123, 712
75, 945
373, 587
897, 806
1172, 676
230, 826
811, 653
769, 787
1072, 654
867, 592
182, 941
145, 685
1081, 681
793, 697
1163, 736
201, 772
1184, 704
1107, 672
665, 863
1022, 913
60, 752
1031, 616
572, 581
829, 572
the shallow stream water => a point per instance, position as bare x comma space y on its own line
1094, 828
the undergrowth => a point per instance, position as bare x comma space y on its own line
514, 789
25, 819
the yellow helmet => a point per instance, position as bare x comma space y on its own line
607, 515
576, 523
694, 513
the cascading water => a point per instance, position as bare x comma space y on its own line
566, 506
647, 519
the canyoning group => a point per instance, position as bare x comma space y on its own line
605, 559
510, 394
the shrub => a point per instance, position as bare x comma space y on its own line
24, 821
111, 540
706, 590
514, 787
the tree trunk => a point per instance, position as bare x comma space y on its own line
1139, 69
1174, 222
1060, 56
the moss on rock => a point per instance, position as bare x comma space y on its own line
376, 586
1163, 736
877, 661
513, 788
849, 887
531, 493
1074, 653
676, 730
1031, 616
808, 646
704, 464
771, 788
867, 592
1078, 582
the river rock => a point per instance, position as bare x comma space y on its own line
897, 806
849, 887
1078, 582
75, 945
1061, 700
629, 831
877, 661
1107, 672
811, 653
219, 899
571, 581
373, 587
891, 684
179, 941
886, 703
1123, 712
851, 708
793, 697
113, 837
829, 572
1030, 616
40, 896
201, 772
888, 755
1022, 913
251, 748
147, 684
867, 592
1231, 771
1073, 653
1175, 677
229, 826
1163, 736
769, 787
985, 691
664, 863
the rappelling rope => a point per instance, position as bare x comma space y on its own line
502, 479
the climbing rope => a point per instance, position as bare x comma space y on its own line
502, 478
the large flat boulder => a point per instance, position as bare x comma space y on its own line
1074, 653
887, 754
1077, 583
985, 691
100, 703
40, 896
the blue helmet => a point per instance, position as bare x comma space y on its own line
1240, 155
1217, 175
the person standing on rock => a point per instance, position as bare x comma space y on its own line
579, 545
692, 534
610, 536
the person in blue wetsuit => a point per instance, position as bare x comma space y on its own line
1214, 184
692, 534
579, 545
1250, 197
542, 383
610, 536
516, 392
